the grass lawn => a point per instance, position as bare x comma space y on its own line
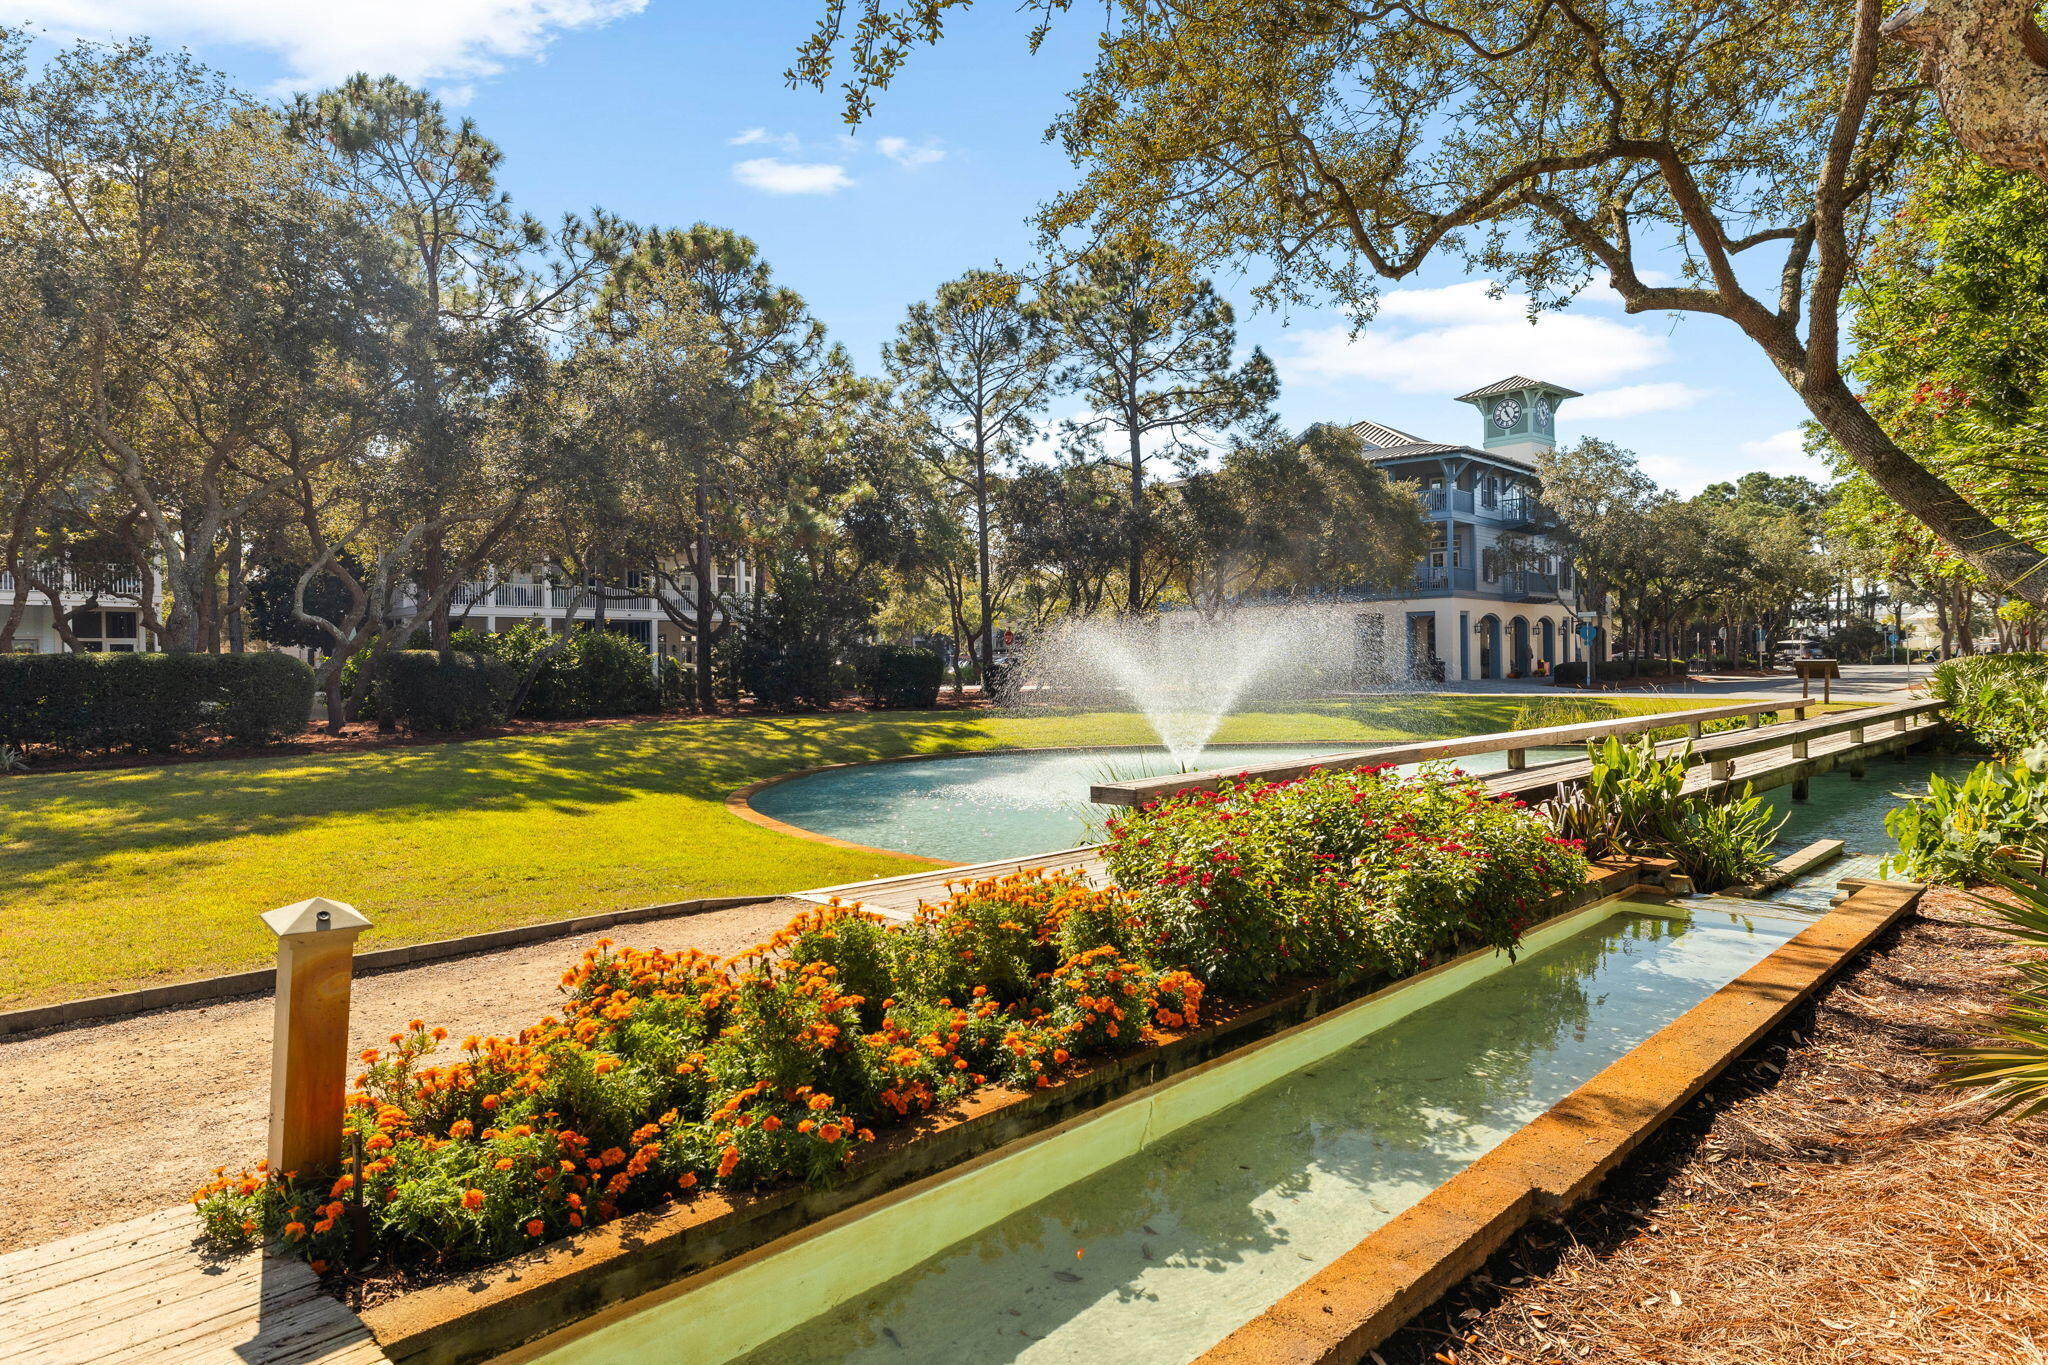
110, 880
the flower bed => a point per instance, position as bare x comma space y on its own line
671, 1073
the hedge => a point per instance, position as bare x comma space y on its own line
461, 692
903, 678
101, 703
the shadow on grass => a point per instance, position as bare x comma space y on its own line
66, 820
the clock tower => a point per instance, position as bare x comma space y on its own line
1519, 414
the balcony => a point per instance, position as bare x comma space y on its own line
1520, 513
84, 582
1458, 499
1529, 585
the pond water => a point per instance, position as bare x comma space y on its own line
973, 808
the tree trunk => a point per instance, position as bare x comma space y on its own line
237, 641
2003, 558
1135, 597
700, 567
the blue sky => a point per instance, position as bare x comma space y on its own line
674, 113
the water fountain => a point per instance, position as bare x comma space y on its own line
1184, 672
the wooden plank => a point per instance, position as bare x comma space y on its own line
144, 1290
1146, 789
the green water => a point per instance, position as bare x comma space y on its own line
1852, 809
1205, 1228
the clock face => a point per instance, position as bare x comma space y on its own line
1505, 412
1544, 411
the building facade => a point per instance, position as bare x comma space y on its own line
104, 608
1495, 596
632, 606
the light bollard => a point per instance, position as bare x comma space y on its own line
316, 942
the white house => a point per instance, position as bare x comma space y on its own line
631, 609
113, 624
1495, 596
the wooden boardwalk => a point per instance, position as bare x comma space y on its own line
143, 1290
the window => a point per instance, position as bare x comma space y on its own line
108, 632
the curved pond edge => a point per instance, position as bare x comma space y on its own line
740, 801
579, 1283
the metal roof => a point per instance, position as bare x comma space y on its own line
1420, 448
1383, 437
1515, 383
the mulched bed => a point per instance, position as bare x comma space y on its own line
1825, 1202
361, 735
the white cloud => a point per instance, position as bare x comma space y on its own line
1635, 400
1786, 447
760, 137
900, 151
1439, 341
772, 175
455, 41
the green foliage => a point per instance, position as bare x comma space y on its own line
1340, 871
2014, 1072
1999, 700
1545, 712
791, 640
902, 678
1630, 803
1963, 832
100, 703
462, 692
596, 673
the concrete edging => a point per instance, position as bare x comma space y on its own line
1558, 1159
234, 985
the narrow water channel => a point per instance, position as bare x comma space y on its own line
1152, 1258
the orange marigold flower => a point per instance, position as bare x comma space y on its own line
295, 1230
688, 1179
504, 1164
829, 1133
472, 1199
534, 1227
728, 1161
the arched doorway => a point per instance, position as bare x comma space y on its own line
1488, 631
1550, 642
1518, 647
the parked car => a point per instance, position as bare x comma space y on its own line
1788, 652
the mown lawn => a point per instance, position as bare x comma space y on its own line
110, 880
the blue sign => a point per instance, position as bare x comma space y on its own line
1588, 633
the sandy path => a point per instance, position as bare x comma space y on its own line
112, 1120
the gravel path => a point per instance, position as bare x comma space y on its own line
108, 1121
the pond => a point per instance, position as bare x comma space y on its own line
972, 808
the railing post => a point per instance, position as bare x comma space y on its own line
1755, 720
1856, 735
1518, 759
1692, 728
1799, 749
316, 942
1722, 769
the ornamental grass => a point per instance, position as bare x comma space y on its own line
666, 1074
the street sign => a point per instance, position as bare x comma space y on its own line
1588, 634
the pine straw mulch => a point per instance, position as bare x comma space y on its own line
1825, 1202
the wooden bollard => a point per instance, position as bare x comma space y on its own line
316, 942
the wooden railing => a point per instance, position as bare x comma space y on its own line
1516, 744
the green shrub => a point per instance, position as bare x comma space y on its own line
263, 697
1999, 700
2013, 1071
1961, 832
102, 703
1338, 871
462, 692
597, 673
1631, 803
903, 678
